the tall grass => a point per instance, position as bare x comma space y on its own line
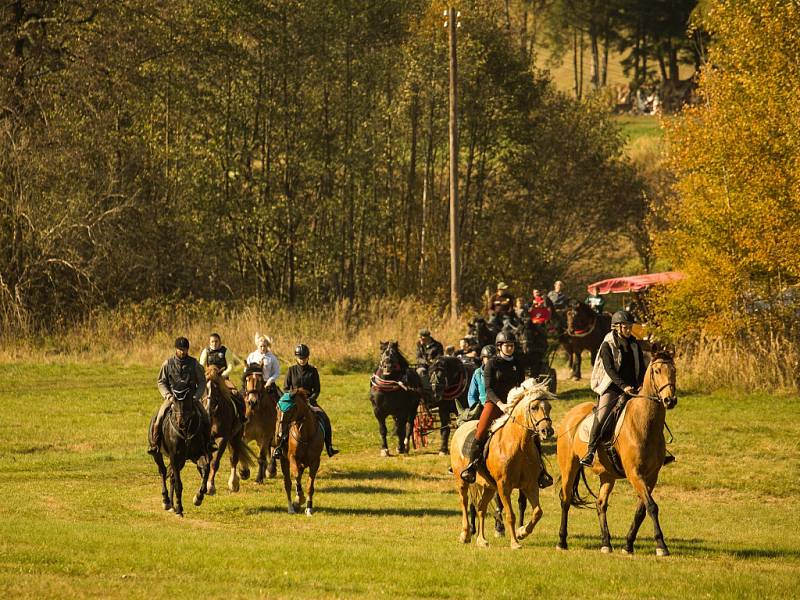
341, 334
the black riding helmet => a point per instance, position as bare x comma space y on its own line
505, 337
488, 351
622, 317
302, 351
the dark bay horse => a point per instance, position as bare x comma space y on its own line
585, 330
226, 429
395, 390
641, 448
513, 462
261, 410
184, 436
482, 331
304, 448
449, 378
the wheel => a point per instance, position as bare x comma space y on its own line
423, 423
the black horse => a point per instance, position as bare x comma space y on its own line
585, 330
185, 436
449, 378
395, 389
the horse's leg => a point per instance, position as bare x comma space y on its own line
606, 485
312, 475
176, 475
645, 495
638, 517
531, 492
576, 364
444, 426
287, 483
262, 461
233, 480
162, 471
504, 493
499, 526
569, 472
473, 513
522, 503
272, 466
211, 489
299, 497
484, 497
171, 475
463, 494
382, 428
400, 432
203, 468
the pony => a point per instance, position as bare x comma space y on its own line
513, 462
261, 411
585, 330
395, 389
184, 436
226, 428
304, 448
641, 447
449, 378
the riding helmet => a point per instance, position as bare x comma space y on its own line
488, 351
622, 317
505, 337
302, 351
181, 343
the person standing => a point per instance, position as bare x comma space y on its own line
595, 301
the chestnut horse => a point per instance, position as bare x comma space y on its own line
226, 428
641, 448
304, 448
513, 462
585, 330
261, 410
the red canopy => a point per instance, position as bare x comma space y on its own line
634, 283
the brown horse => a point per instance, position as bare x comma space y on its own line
641, 448
585, 330
306, 441
261, 410
226, 428
513, 462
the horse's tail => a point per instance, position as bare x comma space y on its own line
247, 458
577, 500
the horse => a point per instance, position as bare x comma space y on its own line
585, 330
641, 447
304, 448
395, 389
226, 428
184, 436
449, 378
513, 462
261, 411
482, 331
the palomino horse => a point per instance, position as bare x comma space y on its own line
395, 390
306, 440
449, 378
184, 436
513, 462
585, 330
261, 410
641, 448
226, 428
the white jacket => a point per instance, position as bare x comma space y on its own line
272, 368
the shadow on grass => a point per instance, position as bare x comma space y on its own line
359, 489
380, 474
362, 511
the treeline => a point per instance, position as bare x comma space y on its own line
290, 150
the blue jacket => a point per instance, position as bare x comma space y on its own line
477, 389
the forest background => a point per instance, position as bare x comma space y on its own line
282, 166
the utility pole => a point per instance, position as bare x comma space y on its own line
452, 25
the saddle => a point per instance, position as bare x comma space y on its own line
610, 431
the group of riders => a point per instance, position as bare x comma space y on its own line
183, 377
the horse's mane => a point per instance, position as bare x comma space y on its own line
529, 391
213, 374
402, 359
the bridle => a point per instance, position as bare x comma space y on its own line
667, 401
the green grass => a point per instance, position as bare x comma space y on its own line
635, 127
81, 514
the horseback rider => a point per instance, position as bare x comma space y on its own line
217, 355
501, 305
263, 357
428, 349
558, 299
501, 374
469, 355
476, 396
180, 377
618, 371
304, 375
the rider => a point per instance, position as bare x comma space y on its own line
595, 301
501, 305
618, 370
470, 354
181, 377
476, 396
304, 375
501, 374
262, 356
428, 349
217, 355
557, 298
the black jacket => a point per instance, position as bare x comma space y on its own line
181, 379
500, 376
303, 376
427, 352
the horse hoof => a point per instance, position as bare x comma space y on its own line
464, 538
522, 533
481, 543
662, 552
627, 552
442, 453
211, 491
166, 505
179, 514
244, 473
270, 474
292, 511
516, 545
308, 512
198, 500
606, 550
498, 533
384, 452
295, 508
561, 547
233, 487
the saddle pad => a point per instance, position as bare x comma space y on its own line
585, 427
498, 423
464, 436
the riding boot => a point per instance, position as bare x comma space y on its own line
594, 436
327, 430
155, 432
475, 457
282, 444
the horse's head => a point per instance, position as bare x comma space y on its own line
530, 406
253, 388
391, 360
437, 375
579, 318
660, 380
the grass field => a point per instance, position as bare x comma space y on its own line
81, 515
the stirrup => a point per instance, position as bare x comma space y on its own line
468, 474
588, 459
